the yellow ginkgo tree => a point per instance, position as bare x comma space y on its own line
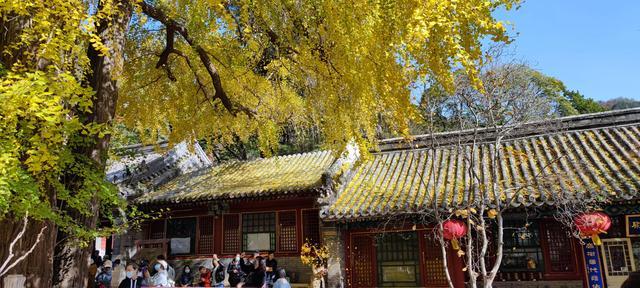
196, 69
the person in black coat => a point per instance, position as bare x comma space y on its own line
132, 280
236, 275
186, 278
258, 277
271, 268
248, 265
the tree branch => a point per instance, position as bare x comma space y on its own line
164, 56
172, 27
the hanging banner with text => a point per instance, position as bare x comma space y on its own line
592, 264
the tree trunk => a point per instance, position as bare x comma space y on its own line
36, 267
40, 274
71, 261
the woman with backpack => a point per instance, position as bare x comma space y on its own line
217, 273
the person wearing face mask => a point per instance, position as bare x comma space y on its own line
103, 280
171, 273
131, 280
236, 275
161, 278
186, 278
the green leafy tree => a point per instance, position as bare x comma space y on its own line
512, 87
575, 103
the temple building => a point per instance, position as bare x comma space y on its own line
373, 212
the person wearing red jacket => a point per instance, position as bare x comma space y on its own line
205, 277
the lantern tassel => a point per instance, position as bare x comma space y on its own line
596, 239
455, 244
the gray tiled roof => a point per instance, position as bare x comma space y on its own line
278, 176
585, 157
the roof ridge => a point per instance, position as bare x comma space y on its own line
511, 139
236, 161
533, 128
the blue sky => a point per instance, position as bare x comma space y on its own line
592, 46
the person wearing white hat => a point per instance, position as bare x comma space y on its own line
161, 278
103, 280
171, 273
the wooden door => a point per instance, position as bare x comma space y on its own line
433, 265
363, 261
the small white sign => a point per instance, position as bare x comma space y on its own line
258, 241
180, 245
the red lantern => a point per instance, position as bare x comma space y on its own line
592, 224
453, 230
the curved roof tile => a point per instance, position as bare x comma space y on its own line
262, 177
579, 161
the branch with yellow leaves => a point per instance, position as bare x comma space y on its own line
174, 27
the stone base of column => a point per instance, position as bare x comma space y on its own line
335, 266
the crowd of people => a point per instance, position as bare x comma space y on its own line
244, 270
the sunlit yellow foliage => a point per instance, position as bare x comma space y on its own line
343, 66
44, 101
313, 254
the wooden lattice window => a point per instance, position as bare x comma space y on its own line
311, 225
522, 248
287, 236
398, 260
259, 231
560, 250
433, 264
156, 229
205, 239
362, 254
231, 233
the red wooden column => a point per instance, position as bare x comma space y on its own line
456, 265
217, 235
